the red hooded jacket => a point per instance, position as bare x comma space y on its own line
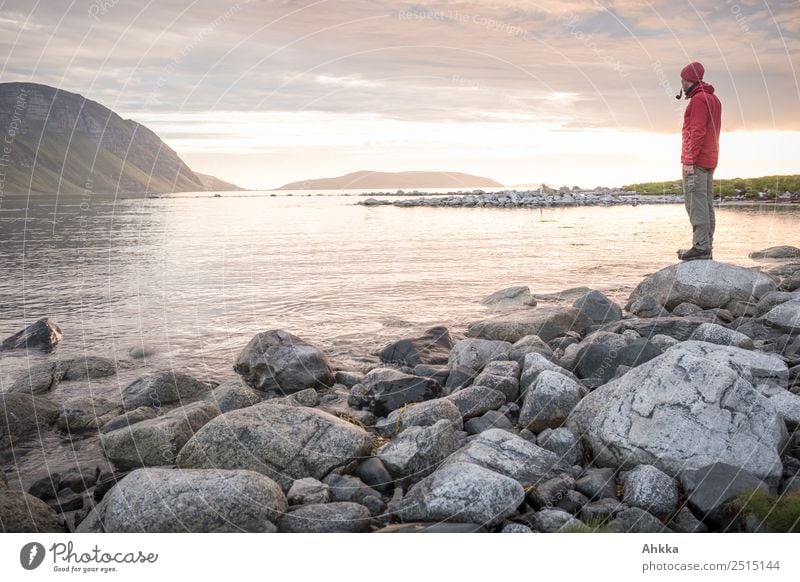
701, 127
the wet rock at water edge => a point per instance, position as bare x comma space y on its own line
157, 441
24, 513
44, 335
431, 348
281, 361
162, 388
517, 296
234, 394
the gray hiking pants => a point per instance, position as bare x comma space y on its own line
698, 192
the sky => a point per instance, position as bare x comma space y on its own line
262, 93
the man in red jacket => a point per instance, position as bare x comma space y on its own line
699, 153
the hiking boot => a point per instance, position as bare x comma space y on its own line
694, 254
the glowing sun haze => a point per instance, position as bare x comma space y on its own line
265, 93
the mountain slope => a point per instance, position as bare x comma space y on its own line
413, 179
63, 142
214, 184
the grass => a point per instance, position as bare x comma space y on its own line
781, 514
594, 525
750, 187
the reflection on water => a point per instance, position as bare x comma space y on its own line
196, 276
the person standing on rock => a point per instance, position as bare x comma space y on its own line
699, 153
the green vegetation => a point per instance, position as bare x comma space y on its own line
772, 186
593, 525
781, 514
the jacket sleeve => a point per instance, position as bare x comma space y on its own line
697, 127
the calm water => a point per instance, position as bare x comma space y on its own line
195, 277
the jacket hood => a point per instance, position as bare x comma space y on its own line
701, 87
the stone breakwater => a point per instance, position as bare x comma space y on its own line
526, 199
578, 415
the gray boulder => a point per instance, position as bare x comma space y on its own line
386, 389
519, 296
233, 395
129, 418
422, 414
462, 493
491, 419
533, 365
553, 520
597, 484
87, 413
43, 335
24, 513
711, 487
680, 411
476, 353
308, 491
44, 377
419, 450
281, 361
785, 317
281, 441
337, 517
509, 455
160, 500
476, 400
602, 360
547, 323
707, 284
636, 520
598, 308
549, 400
770, 300
563, 443
650, 489
502, 376
24, 414
157, 441
528, 344
163, 387
432, 347
716, 334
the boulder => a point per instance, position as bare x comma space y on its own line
24, 414
422, 414
491, 419
519, 296
337, 517
308, 491
785, 317
432, 347
372, 472
509, 455
87, 413
553, 520
707, 284
345, 487
419, 450
686, 309
549, 401
681, 410
24, 513
233, 395
528, 344
563, 443
650, 489
476, 400
502, 376
711, 487
645, 306
45, 376
162, 387
476, 353
778, 252
462, 493
278, 360
43, 335
716, 334
282, 441
600, 360
157, 441
636, 520
386, 389
598, 308
160, 500
547, 323
129, 418
533, 365
770, 300
597, 484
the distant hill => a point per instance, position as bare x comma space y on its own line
63, 142
389, 180
212, 184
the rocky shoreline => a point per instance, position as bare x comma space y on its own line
669, 414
